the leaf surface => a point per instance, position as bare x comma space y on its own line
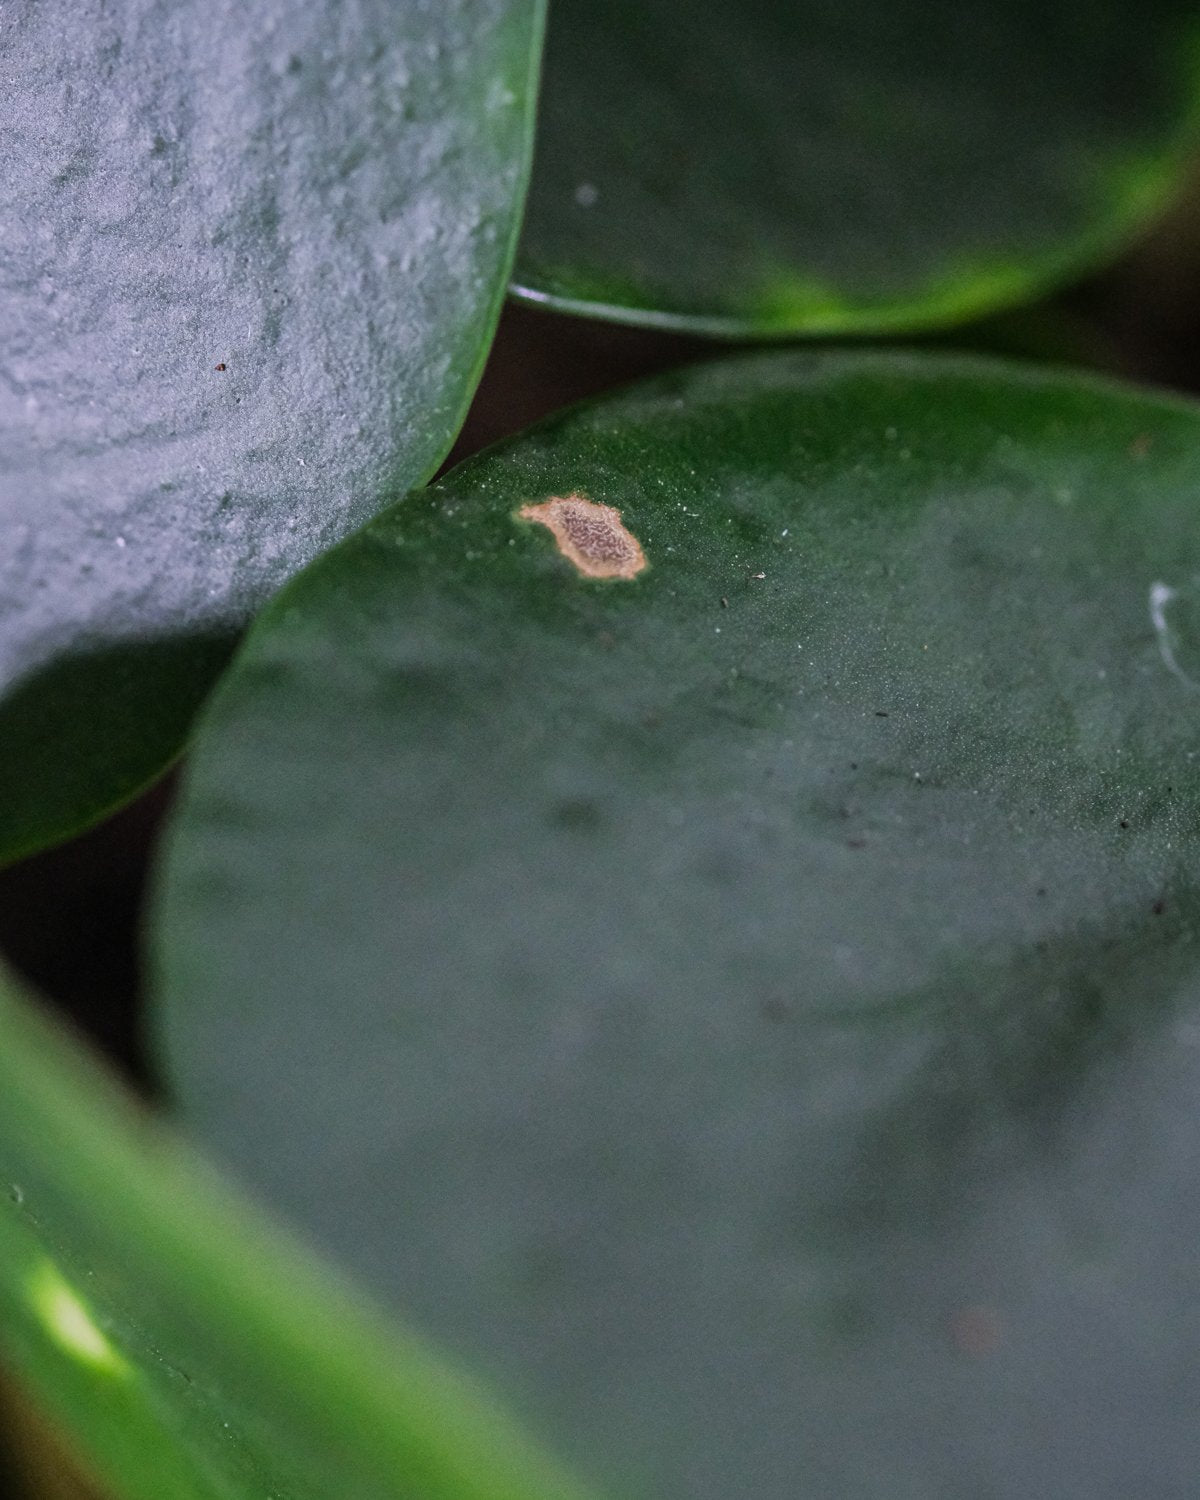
252, 261
821, 168
748, 1006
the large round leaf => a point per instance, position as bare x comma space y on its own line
745, 1003
821, 167
252, 259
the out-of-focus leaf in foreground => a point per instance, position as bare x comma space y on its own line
187, 1348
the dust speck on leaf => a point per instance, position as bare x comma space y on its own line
592, 537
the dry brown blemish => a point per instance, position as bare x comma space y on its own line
591, 536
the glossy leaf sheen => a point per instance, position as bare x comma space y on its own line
749, 1010
189, 1350
252, 260
812, 166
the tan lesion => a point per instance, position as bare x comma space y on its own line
592, 537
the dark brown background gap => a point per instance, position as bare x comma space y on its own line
34, 1461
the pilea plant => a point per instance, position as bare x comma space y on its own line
672, 972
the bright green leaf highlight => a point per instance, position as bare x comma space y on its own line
69, 1323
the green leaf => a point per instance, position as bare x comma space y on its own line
750, 1006
253, 258
186, 1346
822, 168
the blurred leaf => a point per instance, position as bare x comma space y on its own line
751, 1006
822, 168
253, 258
187, 1348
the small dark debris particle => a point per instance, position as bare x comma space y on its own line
854, 765
856, 843
221, 366
881, 713
1041, 890
1158, 908
1124, 822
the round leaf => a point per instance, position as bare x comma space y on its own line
823, 168
745, 1003
252, 260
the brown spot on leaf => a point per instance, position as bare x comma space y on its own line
591, 536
